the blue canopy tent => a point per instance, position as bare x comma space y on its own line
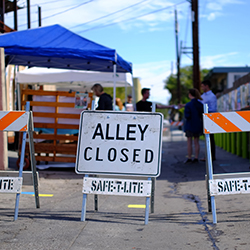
56, 47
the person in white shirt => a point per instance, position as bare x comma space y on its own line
210, 99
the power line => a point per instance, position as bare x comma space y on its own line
99, 18
37, 5
58, 13
56, 1
132, 18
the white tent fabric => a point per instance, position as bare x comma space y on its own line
72, 78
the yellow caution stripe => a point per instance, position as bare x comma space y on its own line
136, 206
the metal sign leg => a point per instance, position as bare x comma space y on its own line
20, 173
33, 162
147, 208
213, 209
153, 195
84, 204
209, 172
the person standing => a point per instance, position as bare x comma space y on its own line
193, 125
210, 99
118, 105
144, 105
105, 100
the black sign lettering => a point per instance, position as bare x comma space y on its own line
245, 184
85, 154
93, 188
110, 153
142, 131
98, 132
129, 131
149, 155
118, 137
124, 154
111, 186
135, 155
97, 155
6, 184
107, 133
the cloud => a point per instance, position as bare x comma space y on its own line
152, 76
84, 15
208, 62
215, 7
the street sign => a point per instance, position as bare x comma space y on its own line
230, 186
119, 143
116, 187
10, 184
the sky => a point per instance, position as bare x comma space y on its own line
143, 32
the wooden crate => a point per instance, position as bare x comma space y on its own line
51, 111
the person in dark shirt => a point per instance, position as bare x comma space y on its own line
105, 100
193, 125
144, 105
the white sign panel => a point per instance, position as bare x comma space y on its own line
11, 184
116, 187
229, 186
119, 143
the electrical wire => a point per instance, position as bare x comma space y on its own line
132, 18
37, 5
58, 13
110, 14
56, 1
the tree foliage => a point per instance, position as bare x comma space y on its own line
186, 80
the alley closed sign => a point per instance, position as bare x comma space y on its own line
119, 143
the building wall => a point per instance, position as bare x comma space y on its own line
234, 76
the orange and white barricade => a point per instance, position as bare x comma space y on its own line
19, 121
224, 184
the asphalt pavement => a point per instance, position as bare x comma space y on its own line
180, 219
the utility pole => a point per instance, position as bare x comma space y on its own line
178, 59
39, 16
2, 10
15, 14
196, 67
28, 14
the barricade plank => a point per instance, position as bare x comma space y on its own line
226, 122
50, 104
61, 148
55, 137
56, 158
46, 93
55, 126
55, 115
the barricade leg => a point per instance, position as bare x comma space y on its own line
27, 108
153, 195
20, 173
213, 209
84, 204
147, 208
209, 166
33, 163
96, 199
